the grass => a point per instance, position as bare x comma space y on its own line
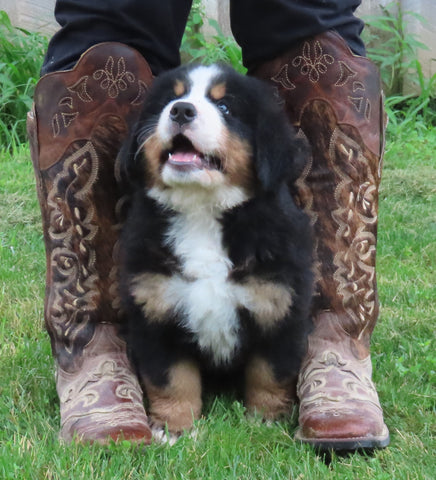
228, 445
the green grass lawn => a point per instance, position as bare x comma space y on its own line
228, 445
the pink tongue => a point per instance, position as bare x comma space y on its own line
185, 158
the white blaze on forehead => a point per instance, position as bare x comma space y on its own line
202, 79
207, 131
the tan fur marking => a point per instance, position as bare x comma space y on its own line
269, 302
237, 161
148, 290
217, 92
179, 88
153, 151
179, 403
263, 393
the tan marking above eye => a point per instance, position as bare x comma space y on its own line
217, 92
179, 88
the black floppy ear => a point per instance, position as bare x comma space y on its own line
279, 156
129, 160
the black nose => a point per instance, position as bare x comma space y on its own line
183, 112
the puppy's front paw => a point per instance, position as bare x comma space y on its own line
265, 395
163, 436
174, 406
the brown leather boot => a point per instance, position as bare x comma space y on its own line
78, 123
334, 99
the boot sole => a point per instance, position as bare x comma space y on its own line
346, 444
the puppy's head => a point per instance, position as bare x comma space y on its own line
211, 130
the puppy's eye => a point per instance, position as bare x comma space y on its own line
223, 108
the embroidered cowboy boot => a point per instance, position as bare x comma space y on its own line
333, 97
79, 120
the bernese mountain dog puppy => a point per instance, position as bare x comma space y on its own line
217, 257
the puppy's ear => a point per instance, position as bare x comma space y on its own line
129, 160
279, 155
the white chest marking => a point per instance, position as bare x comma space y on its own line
206, 297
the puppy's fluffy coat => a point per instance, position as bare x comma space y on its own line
217, 256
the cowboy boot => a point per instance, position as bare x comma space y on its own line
334, 99
79, 120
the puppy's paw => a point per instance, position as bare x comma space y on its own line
163, 436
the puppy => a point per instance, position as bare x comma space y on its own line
217, 256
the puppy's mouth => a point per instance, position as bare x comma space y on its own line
185, 157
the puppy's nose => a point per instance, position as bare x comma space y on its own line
183, 112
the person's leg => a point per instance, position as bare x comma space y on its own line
334, 99
267, 28
153, 27
80, 118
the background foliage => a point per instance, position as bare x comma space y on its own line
21, 54
394, 50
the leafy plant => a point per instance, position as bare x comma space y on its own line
196, 47
395, 51
392, 47
21, 54
418, 111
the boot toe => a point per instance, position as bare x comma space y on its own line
344, 430
89, 432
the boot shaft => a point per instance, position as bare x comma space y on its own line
334, 99
79, 121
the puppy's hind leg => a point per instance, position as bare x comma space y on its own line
176, 403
